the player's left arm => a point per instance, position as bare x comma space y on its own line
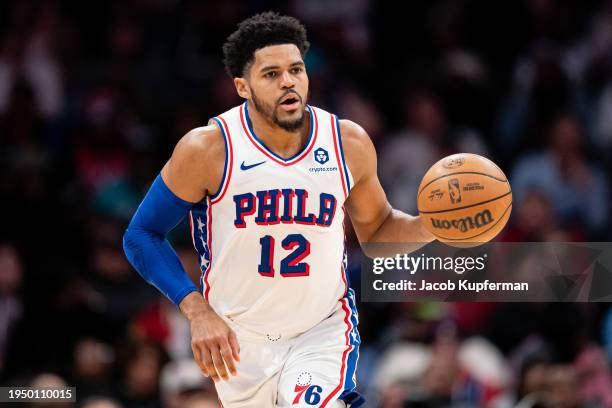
373, 218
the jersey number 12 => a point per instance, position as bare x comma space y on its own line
292, 264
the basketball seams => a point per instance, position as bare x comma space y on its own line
466, 206
457, 173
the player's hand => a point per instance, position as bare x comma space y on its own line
423, 234
215, 346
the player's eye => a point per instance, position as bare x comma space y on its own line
296, 70
270, 74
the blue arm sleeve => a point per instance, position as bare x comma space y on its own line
147, 248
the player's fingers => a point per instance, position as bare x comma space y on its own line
226, 353
209, 364
218, 362
233, 341
197, 356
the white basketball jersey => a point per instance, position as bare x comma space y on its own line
271, 240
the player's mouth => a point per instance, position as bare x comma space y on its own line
290, 102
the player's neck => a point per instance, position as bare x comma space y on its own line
277, 139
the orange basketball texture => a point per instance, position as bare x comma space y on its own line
464, 198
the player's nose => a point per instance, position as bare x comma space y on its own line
287, 80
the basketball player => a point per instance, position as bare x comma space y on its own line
266, 185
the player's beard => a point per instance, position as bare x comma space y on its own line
269, 113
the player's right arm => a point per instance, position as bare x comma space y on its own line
194, 171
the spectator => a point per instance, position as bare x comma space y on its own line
594, 376
532, 379
577, 190
180, 380
141, 369
11, 304
410, 152
49, 380
535, 220
91, 368
100, 402
561, 385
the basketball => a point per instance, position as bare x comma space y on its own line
464, 198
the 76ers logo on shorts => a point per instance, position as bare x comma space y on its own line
321, 155
303, 388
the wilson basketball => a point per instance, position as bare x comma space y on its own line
464, 198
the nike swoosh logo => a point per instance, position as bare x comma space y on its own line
250, 166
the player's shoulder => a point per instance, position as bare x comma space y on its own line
205, 142
202, 139
196, 165
353, 134
358, 147
209, 140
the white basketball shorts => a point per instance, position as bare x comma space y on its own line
313, 369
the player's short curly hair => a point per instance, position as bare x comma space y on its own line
257, 32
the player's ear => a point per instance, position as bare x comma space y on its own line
242, 88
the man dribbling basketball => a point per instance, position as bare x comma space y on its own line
266, 185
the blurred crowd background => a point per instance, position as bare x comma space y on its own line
95, 94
